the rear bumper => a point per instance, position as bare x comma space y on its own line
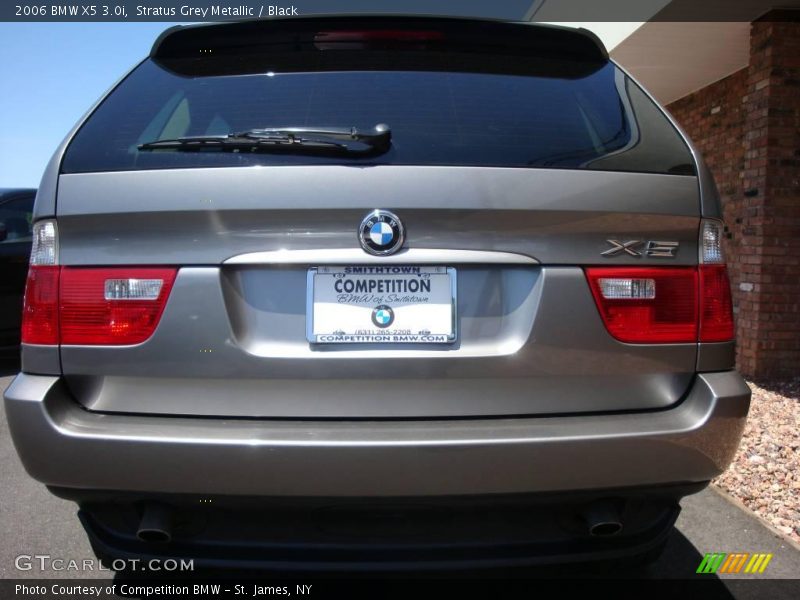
63, 445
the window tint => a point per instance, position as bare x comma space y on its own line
437, 118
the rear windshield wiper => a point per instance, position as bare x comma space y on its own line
335, 140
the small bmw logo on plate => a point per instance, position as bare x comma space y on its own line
381, 233
382, 316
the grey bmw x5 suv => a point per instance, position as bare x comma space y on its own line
377, 292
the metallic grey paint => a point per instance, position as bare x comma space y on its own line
232, 342
63, 445
718, 356
207, 216
41, 360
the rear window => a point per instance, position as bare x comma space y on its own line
586, 119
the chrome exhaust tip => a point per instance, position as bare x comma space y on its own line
156, 524
603, 519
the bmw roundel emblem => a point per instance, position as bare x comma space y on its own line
382, 316
381, 233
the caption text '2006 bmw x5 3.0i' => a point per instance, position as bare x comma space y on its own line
376, 292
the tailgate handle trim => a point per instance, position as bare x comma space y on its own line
421, 256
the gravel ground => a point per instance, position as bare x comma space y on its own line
765, 475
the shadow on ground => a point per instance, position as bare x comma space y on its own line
789, 387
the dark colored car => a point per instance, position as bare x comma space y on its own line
16, 209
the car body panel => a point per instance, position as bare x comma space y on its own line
528, 357
206, 216
514, 355
691, 442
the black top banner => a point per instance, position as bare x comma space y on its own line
194, 11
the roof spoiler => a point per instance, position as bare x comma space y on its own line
260, 35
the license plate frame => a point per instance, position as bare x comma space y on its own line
335, 338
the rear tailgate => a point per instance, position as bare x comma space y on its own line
232, 339
517, 153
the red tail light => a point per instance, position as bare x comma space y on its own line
669, 316
94, 306
716, 308
654, 305
97, 306
40, 313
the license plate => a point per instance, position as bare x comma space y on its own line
381, 305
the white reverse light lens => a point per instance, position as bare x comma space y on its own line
711, 243
627, 289
133, 289
45, 244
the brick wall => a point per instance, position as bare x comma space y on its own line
748, 128
772, 171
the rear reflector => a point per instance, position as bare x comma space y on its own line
112, 306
